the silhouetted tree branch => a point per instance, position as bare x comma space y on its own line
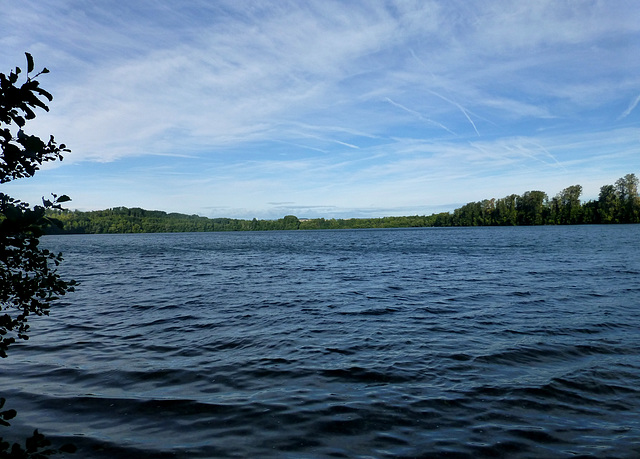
29, 281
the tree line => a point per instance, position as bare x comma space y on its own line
617, 203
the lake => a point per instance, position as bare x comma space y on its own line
457, 342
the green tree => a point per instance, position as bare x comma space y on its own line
590, 212
627, 189
531, 208
569, 210
488, 211
471, 214
608, 204
290, 222
506, 212
29, 281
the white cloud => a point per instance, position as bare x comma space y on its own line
339, 104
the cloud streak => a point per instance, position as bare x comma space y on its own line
419, 116
248, 103
461, 108
631, 108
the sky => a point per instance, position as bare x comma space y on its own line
335, 109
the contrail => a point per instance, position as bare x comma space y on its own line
321, 128
345, 144
460, 107
420, 61
324, 139
549, 154
631, 107
300, 146
419, 116
527, 152
470, 120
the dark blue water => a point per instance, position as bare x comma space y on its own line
456, 342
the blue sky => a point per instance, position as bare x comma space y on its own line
328, 108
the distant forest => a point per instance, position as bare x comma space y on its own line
617, 203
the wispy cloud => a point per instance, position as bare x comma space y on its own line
631, 108
366, 105
419, 116
461, 108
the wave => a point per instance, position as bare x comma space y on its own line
470, 343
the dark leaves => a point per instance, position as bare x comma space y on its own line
28, 278
6, 415
23, 154
29, 63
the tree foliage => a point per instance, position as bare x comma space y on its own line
29, 281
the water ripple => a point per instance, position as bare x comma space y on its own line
478, 342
